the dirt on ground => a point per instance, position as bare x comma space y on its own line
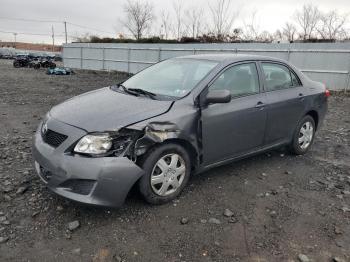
272, 207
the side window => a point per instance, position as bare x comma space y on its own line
239, 80
295, 79
276, 76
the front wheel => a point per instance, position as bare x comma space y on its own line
167, 170
303, 135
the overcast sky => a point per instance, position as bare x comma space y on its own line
105, 14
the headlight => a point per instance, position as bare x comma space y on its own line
94, 144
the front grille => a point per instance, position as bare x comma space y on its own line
79, 186
53, 138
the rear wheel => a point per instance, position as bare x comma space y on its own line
16, 64
167, 170
303, 136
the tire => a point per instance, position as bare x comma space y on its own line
159, 193
16, 64
36, 66
306, 128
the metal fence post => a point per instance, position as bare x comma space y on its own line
159, 54
347, 84
288, 54
129, 50
194, 51
103, 58
81, 58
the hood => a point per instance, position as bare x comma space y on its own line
106, 110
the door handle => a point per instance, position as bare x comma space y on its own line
260, 105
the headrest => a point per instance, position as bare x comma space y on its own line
278, 76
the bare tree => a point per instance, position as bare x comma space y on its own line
139, 17
251, 28
83, 38
289, 31
178, 9
277, 36
222, 17
166, 24
193, 21
265, 36
331, 25
308, 18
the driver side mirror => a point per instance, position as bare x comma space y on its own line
217, 96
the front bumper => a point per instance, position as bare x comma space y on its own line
103, 181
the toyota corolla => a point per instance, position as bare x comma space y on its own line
176, 118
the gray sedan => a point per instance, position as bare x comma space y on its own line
178, 117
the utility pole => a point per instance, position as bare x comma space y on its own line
15, 35
53, 40
65, 30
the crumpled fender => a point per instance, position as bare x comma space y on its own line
182, 124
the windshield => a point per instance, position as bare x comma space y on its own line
174, 77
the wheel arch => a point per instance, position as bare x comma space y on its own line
314, 115
190, 149
192, 152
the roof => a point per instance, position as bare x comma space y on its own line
229, 57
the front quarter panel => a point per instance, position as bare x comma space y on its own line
180, 123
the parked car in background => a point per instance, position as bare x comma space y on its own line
59, 71
46, 63
179, 117
7, 56
34, 56
21, 60
58, 58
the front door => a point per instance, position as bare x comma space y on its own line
237, 127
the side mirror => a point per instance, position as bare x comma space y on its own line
218, 96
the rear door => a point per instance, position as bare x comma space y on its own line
285, 98
234, 128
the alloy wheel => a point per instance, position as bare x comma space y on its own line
306, 134
168, 174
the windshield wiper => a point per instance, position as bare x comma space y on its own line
142, 91
127, 90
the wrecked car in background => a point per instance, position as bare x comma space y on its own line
179, 117
59, 71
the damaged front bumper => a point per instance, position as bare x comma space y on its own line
103, 181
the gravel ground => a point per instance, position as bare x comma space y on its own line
280, 207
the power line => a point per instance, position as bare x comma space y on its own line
31, 20
90, 28
24, 33
55, 21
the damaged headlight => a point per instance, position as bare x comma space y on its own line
94, 144
105, 144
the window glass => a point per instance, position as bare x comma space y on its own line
239, 80
277, 76
295, 80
